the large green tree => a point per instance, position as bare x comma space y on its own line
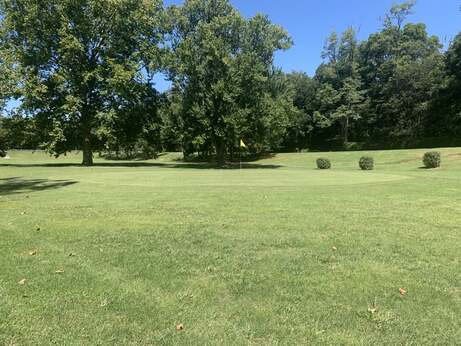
445, 120
82, 64
303, 122
401, 68
340, 95
453, 87
222, 64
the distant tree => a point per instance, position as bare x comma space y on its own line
302, 123
350, 92
20, 132
134, 130
398, 14
82, 64
445, 120
340, 93
171, 130
3, 138
453, 65
330, 49
401, 70
351, 106
278, 111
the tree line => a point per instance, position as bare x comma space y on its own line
84, 71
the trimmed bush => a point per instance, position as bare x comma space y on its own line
432, 159
367, 163
323, 163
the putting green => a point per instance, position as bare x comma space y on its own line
171, 178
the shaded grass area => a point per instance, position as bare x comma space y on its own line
122, 254
134, 164
15, 185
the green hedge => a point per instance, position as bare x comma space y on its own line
367, 163
432, 159
323, 163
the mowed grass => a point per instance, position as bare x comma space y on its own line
278, 253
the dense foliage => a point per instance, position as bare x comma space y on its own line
83, 72
3, 139
432, 159
366, 163
323, 163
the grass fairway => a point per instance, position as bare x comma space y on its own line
277, 253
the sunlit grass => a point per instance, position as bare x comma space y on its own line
276, 253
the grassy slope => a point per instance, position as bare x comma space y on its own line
238, 257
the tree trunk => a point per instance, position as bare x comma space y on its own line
220, 151
346, 132
232, 153
87, 151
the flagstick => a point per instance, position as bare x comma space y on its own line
241, 147
240, 159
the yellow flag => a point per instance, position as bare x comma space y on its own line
242, 144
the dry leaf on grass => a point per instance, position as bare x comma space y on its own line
402, 291
373, 308
334, 248
22, 282
32, 252
179, 327
59, 271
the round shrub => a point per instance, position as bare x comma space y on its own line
323, 163
367, 163
432, 159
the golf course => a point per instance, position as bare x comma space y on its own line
164, 252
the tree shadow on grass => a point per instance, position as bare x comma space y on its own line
429, 168
249, 158
17, 185
134, 164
